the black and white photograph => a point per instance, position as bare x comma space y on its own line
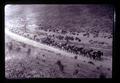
58, 40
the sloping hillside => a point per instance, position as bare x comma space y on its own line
58, 41
91, 18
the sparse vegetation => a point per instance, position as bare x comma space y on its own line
108, 69
90, 62
102, 75
97, 68
61, 66
75, 72
83, 31
43, 55
75, 57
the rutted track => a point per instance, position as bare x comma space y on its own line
34, 43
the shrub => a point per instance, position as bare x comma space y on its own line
91, 62
102, 75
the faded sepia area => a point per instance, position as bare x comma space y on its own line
58, 41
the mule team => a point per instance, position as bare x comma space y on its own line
95, 55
